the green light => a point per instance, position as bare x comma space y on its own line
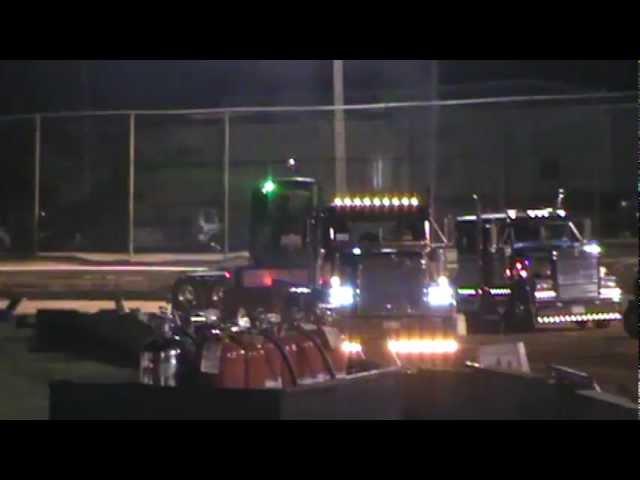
268, 187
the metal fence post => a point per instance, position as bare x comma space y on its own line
132, 158
433, 136
226, 182
36, 182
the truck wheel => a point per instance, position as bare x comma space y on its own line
519, 318
185, 296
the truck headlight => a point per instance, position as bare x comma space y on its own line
341, 296
440, 294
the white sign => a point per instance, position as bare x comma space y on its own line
505, 356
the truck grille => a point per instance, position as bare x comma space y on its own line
390, 284
577, 275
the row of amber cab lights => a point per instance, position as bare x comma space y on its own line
580, 318
409, 346
378, 202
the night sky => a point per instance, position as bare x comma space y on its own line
31, 86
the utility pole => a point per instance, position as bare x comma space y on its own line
339, 133
433, 136
86, 127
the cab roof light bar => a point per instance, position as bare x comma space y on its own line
540, 213
537, 213
485, 216
377, 201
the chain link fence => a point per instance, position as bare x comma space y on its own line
180, 181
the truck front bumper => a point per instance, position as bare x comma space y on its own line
483, 301
578, 311
407, 341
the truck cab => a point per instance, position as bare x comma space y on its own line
384, 277
525, 268
281, 222
282, 251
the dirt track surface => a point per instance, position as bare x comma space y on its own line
609, 355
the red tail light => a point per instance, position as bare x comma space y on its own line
520, 268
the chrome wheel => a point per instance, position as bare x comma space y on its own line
187, 295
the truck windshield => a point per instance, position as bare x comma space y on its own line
543, 231
350, 262
467, 237
378, 231
289, 210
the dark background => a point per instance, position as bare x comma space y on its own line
57, 85
495, 150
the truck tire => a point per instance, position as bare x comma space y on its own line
185, 296
520, 314
519, 317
